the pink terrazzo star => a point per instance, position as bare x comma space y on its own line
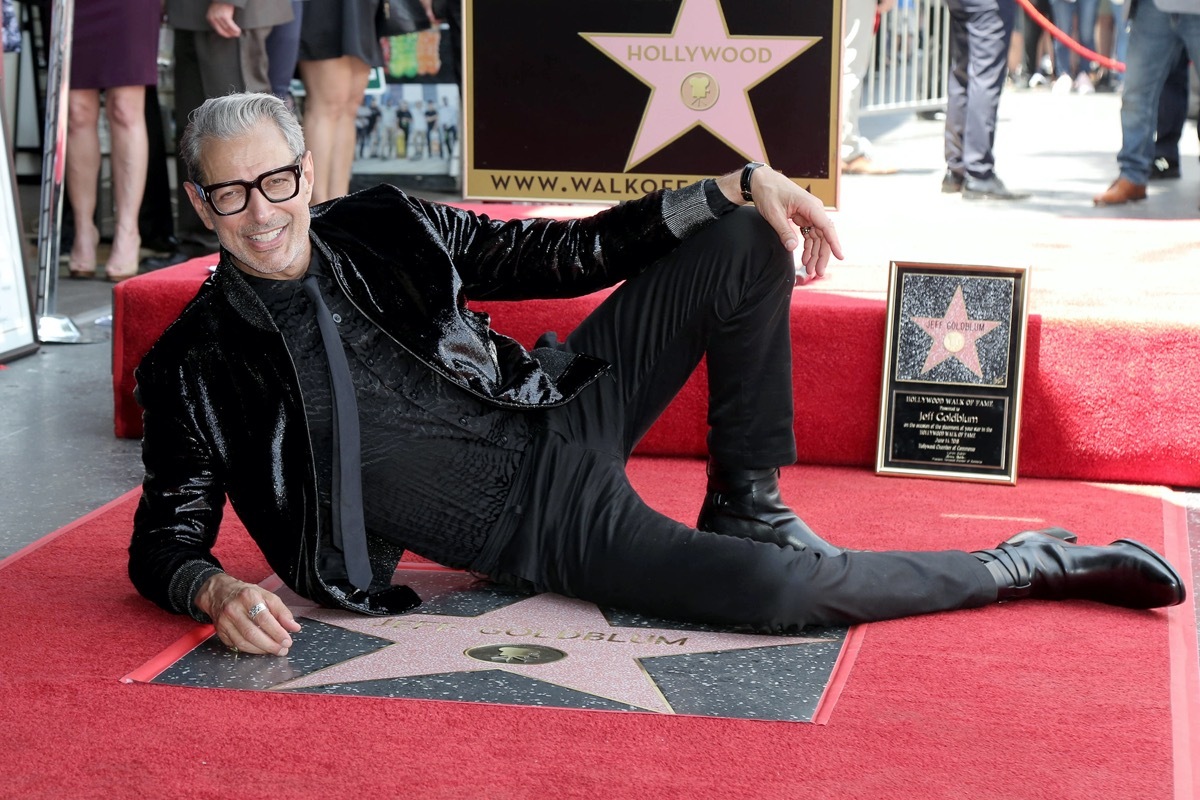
699, 75
954, 335
593, 656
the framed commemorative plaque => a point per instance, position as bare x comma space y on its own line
17, 333
606, 100
953, 365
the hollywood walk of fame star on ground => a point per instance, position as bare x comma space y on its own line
602, 659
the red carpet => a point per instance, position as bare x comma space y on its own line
1106, 399
1025, 700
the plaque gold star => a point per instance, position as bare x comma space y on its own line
954, 335
699, 76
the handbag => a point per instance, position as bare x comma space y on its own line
398, 17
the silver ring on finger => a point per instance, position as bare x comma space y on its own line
257, 609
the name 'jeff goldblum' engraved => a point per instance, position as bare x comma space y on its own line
533, 633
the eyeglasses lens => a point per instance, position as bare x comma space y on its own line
275, 186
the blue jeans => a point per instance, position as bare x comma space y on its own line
1064, 12
1155, 42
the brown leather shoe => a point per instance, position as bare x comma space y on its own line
1122, 191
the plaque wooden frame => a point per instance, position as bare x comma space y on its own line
953, 371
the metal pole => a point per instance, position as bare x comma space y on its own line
53, 327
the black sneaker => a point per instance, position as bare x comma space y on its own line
1164, 168
990, 188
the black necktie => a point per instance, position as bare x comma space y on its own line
349, 530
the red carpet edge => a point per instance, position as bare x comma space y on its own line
1185, 658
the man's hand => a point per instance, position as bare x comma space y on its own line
229, 602
220, 19
786, 206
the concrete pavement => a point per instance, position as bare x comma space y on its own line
1134, 259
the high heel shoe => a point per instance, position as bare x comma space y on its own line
84, 269
74, 270
116, 274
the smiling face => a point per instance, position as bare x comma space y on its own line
266, 239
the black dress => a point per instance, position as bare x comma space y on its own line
336, 28
115, 43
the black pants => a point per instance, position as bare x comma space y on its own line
1172, 109
980, 31
582, 531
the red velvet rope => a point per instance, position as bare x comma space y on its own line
1090, 55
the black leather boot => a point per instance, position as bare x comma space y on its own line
1046, 565
746, 503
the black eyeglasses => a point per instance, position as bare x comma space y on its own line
232, 197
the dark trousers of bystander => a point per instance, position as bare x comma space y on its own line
980, 32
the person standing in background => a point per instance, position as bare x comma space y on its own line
338, 47
1172, 113
1159, 31
1029, 38
219, 48
980, 32
858, 55
1066, 13
122, 74
283, 51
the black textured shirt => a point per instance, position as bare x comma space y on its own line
437, 462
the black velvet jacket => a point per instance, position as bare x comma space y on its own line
222, 410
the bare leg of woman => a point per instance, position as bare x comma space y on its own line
335, 88
125, 106
83, 175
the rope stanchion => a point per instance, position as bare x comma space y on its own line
1053, 30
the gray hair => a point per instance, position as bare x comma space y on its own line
231, 116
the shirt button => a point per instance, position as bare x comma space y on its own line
462, 420
370, 362
504, 440
337, 318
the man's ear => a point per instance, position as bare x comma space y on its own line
202, 209
306, 167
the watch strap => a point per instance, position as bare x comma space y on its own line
747, 171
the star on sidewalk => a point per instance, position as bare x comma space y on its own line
955, 335
546, 637
699, 75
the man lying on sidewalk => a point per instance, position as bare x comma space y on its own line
330, 379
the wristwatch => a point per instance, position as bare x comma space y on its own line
747, 171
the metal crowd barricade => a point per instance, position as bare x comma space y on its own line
911, 59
